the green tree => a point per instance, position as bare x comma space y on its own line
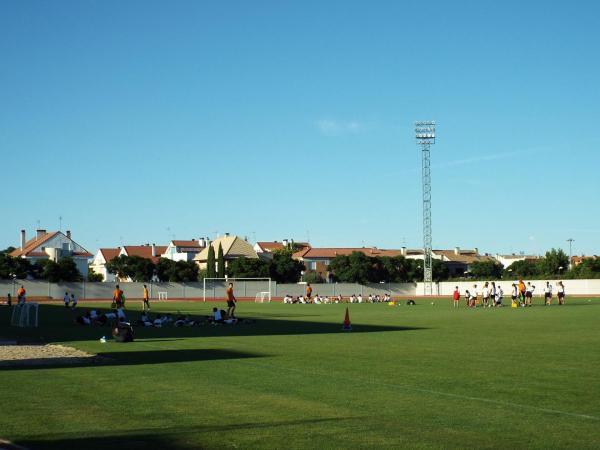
210, 263
522, 269
68, 270
248, 268
354, 268
135, 267
483, 270
118, 266
94, 277
220, 262
555, 262
312, 277
588, 268
283, 268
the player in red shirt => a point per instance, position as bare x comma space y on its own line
456, 296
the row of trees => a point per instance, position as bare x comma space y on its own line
555, 263
44, 269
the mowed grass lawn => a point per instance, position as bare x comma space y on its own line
417, 377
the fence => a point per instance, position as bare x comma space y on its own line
98, 290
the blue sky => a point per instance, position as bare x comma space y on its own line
140, 120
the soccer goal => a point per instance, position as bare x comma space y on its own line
24, 315
263, 297
216, 288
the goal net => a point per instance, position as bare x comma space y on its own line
24, 315
248, 288
263, 297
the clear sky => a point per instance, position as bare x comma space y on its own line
139, 120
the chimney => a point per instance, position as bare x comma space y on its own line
153, 249
457, 250
202, 242
285, 242
226, 234
68, 234
476, 251
23, 240
403, 251
40, 234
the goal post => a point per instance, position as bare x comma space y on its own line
25, 315
243, 287
262, 297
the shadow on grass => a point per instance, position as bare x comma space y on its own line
56, 325
166, 438
127, 358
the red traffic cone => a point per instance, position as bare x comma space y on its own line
347, 326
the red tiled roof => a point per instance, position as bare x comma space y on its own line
32, 244
463, 256
270, 246
109, 253
193, 243
333, 252
86, 254
145, 251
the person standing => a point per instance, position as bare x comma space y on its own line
9, 299
529, 293
498, 296
66, 299
118, 296
522, 291
21, 295
474, 296
548, 293
146, 304
515, 293
456, 296
231, 301
73, 301
485, 294
308, 292
561, 293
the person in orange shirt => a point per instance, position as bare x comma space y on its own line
308, 292
21, 293
146, 305
522, 290
230, 301
118, 296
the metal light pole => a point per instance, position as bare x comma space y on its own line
425, 136
570, 241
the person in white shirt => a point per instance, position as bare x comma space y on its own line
515, 293
548, 293
485, 294
561, 293
498, 296
474, 295
529, 293
359, 298
73, 301
66, 299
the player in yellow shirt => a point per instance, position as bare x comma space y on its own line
146, 305
231, 301
308, 293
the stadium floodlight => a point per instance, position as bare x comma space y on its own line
425, 136
570, 241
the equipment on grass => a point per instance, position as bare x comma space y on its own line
347, 326
163, 295
216, 288
25, 315
513, 305
263, 297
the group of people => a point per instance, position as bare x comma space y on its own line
491, 295
318, 299
70, 300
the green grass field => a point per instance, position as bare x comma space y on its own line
417, 377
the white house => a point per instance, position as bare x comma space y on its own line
103, 256
181, 250
53, 245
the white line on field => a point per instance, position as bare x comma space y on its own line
430, 391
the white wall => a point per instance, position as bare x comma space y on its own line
572, 287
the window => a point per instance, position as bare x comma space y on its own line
312, 265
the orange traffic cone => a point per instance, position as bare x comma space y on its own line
347, 326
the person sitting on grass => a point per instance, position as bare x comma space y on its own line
217, 316
122, 332
103, 319
86, 319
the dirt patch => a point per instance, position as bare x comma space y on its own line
42, 355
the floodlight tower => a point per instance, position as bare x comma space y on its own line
425, 135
